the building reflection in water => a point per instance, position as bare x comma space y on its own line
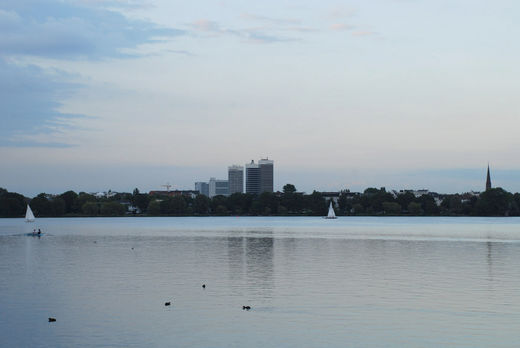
490, 261
251, 265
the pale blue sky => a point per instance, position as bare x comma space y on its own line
99, 95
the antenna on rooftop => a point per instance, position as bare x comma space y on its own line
167, 185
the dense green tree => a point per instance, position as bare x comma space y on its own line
392, 208
357, 208
415, 208
173, 206
141, 201
201, 204
293, 201
238, 203
90, 208
216, 201
516, 198
11, 204
469, 206
41, 206
344, 204
234, 204
494, 202
452, 205
221, 210
405, 198
77, 206
179, 205
68, 198
515, 205
371, 191
121, 197
112, 209
289, 189
316, 204
58, 206
282, 210
372, 200
256, 208
428, 205
154, 208
269, 203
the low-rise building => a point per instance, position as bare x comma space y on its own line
218, 187
202, 188
174, 193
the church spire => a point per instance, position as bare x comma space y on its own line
488, 180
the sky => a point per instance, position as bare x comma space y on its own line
118, 94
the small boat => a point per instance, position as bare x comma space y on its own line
331, 214
29, 216
35, 234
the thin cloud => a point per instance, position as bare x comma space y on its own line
271, 20
255, 37
127, 4
341, 27
362, 33
31, 97
260, 34
302, 29
181, 52
64, 30
341, 13
206, 25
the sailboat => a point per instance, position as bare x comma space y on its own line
331, 214
29, 216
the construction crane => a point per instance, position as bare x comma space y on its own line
167, 185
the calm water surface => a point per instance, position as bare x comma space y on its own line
355, 281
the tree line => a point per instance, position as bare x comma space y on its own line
373, 201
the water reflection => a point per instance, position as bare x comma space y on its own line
432, 292
489, 261
250, 261
236, 257
259, 263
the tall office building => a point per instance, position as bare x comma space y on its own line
202, 187
266, 175
253, 178
218, 187
236, 179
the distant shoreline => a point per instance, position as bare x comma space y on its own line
256, 216
290, 202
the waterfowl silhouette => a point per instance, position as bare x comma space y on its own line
167, 303
204, 286
246, 308
51, 320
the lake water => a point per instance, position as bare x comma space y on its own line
311, 282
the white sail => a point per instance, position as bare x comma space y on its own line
331, 214
29, 216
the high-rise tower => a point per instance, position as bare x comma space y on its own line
252, 178
488, 180
266, 175
236, 179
